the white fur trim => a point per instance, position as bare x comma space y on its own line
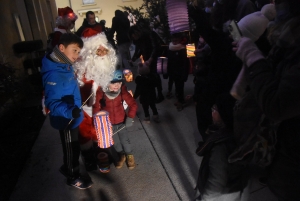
88, 110
94, 67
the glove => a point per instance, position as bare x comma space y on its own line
128, 122
76, 112
248, 52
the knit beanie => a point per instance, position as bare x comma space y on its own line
254, 25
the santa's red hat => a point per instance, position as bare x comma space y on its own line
88, 32
66, 16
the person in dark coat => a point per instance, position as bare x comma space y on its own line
121, 25
178, 67
145, 91
224, 66
219, 180
89, 22
148, 45
275, 83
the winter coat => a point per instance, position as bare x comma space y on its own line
97, 26
178, 65
216, 176
149, 46
62, 93
275, 83
121, 25
114, 106
224, 66
145, 88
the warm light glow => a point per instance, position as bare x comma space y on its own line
190, 50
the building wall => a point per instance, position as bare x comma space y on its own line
107, 7
35, 19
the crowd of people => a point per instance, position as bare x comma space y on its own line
245, 93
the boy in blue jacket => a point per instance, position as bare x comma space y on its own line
62, 98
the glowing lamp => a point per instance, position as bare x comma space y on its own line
190, 50
128, 75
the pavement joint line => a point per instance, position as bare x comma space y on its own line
160, 160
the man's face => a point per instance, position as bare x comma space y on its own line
91, 19
101, 51
115, 86
72, 51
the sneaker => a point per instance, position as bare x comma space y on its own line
156, 118
104, 169
80, 183
169, 95
122, 159
147, 120
130, 161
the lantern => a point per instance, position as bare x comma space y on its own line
128, 75
162, 65
190, 50
177, 15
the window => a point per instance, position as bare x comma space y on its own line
84, 2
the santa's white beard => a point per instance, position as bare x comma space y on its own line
98, 69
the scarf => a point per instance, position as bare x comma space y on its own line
112, 94
177, 47
60, 57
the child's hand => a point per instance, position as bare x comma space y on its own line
128, 122
76, 112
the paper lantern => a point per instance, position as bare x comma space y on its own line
128, 75
103, 129
177, 15
162, 65
190, 50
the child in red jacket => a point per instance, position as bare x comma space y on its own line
112, 102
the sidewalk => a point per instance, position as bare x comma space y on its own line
167, 166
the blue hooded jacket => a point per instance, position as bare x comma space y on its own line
62, 93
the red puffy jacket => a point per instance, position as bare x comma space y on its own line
115, 107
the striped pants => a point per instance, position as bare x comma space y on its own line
71, 151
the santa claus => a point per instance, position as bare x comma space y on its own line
94, 69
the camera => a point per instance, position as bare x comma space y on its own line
234, 31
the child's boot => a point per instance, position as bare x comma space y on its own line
130, 161
122, 159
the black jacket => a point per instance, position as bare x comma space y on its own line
149, 46
275, 84
145, 88
216, 175
121, 25
85, 25
178, 65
